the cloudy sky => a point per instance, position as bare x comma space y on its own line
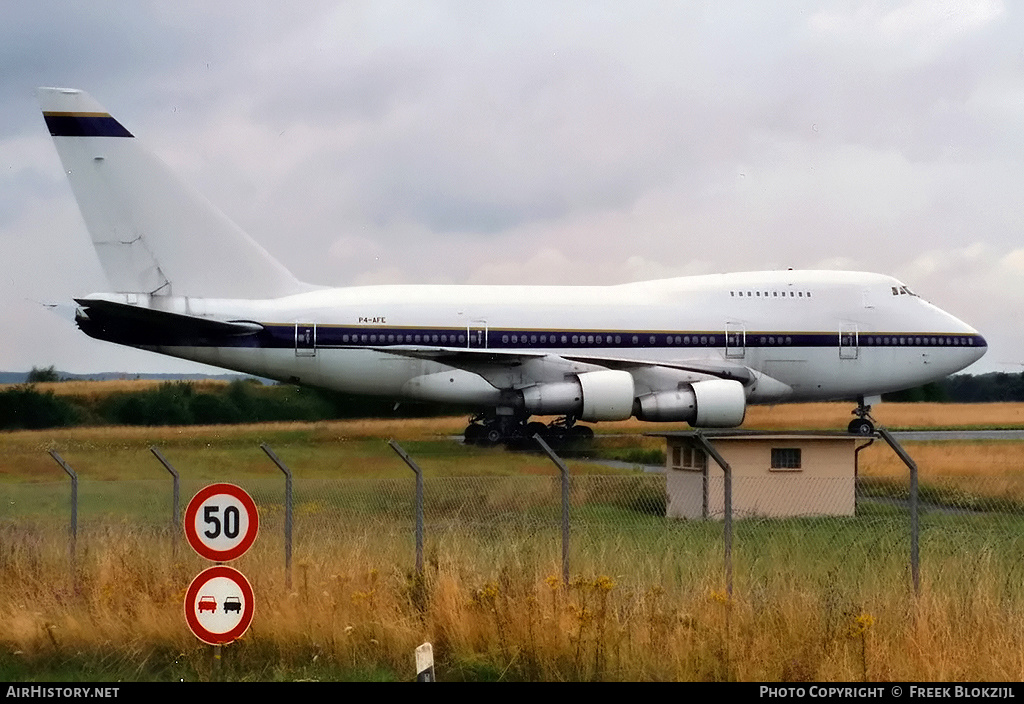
537, 142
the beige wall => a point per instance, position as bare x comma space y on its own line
824, 485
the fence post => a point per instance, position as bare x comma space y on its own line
73, 529
915, 567
564, 475
419, 503
425, 663
727, 470
287, 513
176, 501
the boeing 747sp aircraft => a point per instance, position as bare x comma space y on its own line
695, 349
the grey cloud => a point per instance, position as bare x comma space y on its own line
448, 140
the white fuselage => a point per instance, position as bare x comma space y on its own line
811, 334
695, 349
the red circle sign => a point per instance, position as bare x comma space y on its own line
221, 522
219, 605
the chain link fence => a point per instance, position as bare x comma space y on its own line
617, 525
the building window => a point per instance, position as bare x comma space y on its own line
786, 458
689, 459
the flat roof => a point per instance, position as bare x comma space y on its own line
733, 433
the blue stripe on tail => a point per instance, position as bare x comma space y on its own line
84, 125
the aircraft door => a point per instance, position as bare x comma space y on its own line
735, 341
476, 334
849, 343
305, 339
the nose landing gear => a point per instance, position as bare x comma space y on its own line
863, 424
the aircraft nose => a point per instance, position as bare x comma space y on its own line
973, 343
979, 348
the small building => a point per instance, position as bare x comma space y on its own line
774, 474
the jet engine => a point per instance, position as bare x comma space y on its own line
589, 396
716, 403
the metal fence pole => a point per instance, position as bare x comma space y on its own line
419, 503
564, 472
727, 470
915, 567
287, 513
175, 502
73, 529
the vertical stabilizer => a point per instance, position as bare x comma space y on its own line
153, 233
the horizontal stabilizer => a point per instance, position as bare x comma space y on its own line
129, 324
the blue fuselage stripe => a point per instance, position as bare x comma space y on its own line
326, 336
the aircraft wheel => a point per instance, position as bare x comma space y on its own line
861, 426
472, 434
536, 428
560, 438
581, 433
492, 435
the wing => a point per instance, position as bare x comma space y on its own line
517, 369
717, 368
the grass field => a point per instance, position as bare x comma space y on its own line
100, 389
814, 598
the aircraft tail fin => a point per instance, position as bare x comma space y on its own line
153, 233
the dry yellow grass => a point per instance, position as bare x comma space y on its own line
105, 451
488, 603
836, 416
409, 429
505, 615
978, 460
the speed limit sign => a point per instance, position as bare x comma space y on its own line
221, 522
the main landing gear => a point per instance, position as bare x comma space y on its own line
862, 424
516, 432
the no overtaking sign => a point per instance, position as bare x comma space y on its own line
219, 605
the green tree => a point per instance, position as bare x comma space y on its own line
39, 376
24, 407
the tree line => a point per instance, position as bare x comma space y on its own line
25, 406
966, 388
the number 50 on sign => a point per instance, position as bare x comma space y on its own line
221, 522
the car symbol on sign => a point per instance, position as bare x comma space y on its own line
233, 603
207, 603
